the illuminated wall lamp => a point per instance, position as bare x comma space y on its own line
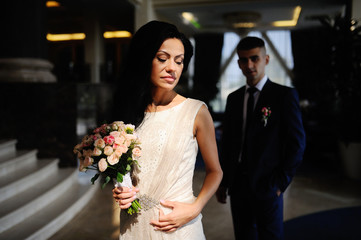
65, 37
117, 34
50, 4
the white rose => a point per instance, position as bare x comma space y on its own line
113, 159
129, 127
108, 150
99, 143
97, 152
136, 153
102, 165
120, 124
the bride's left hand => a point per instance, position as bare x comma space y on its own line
181, 214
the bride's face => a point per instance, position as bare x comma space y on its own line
167, 65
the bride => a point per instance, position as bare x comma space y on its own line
171, 128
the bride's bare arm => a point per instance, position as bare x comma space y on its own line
205, 134
182, 212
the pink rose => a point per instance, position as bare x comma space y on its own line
109, 140
87, 141
101, 129
102, 165
113, 159
77, 148
81, 165
88, 161
108, 150
136, 153
87, 153
99, 143
121, 149
115, 134
119, 140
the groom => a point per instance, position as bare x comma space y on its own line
262, 145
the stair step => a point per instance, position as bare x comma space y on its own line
7, 148
20, 159
52, 217
19, 207
27, 177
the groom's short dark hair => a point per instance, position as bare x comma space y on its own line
248, 43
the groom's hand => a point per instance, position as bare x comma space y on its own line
182, 213
278, 192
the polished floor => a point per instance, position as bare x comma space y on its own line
310, 192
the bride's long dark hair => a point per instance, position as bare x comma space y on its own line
134, 89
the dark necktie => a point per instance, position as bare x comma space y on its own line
250, 106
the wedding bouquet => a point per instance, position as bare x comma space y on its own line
111, 150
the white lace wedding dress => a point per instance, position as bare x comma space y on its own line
166, 172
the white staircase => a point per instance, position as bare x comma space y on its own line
37, 198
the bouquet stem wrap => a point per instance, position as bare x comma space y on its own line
127, 182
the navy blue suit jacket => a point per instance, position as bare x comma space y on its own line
274, 151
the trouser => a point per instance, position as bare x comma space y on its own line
256, 218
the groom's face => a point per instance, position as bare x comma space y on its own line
253, 63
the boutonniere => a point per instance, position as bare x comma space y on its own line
266, 113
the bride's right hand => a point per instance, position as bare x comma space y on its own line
125, 196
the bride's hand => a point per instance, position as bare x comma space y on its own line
125, 196
182, 213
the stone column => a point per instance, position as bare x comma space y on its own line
23, 45
356, 6
94, 47
144, 12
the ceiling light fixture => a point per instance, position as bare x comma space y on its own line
244, 25
50, 4
189, 18
117, 34
65, 37
242, 19
289, 23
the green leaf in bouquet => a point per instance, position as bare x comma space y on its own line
119, 177
128, 167
107, 179
93, 179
